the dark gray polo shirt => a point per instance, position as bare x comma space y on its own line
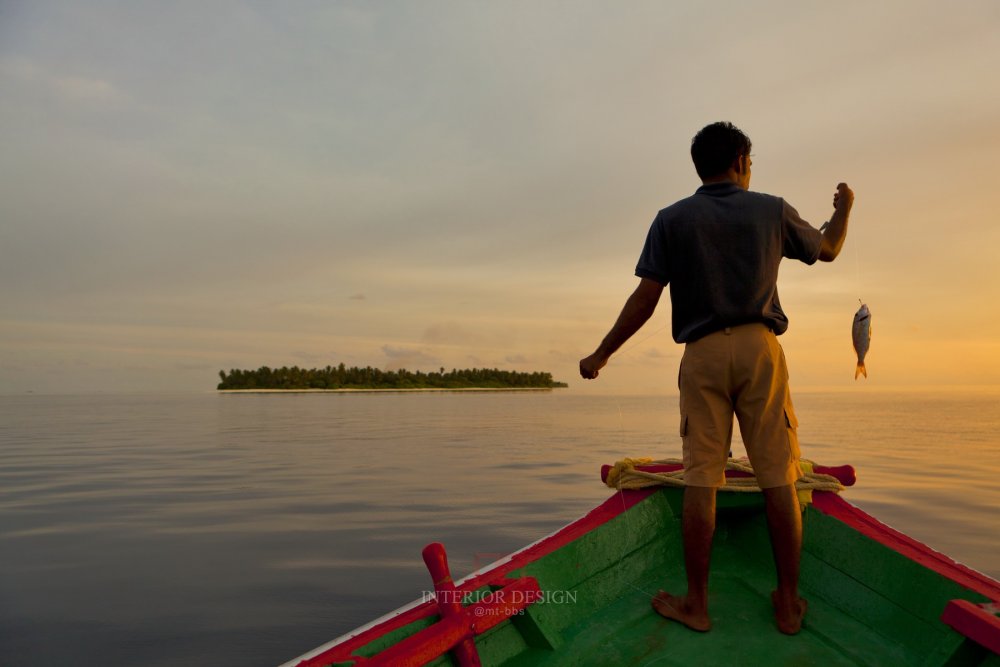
719, 251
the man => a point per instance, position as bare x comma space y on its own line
719, 251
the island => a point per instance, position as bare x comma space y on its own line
342, 378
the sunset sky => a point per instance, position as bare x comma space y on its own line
188, 187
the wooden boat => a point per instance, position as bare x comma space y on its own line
581, 596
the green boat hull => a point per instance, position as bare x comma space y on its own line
872, 601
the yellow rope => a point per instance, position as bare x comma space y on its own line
624, 475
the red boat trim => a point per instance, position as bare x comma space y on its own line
341, 649
449, 602
455, 630
833, 505
975, 621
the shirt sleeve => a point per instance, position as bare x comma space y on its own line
799, 239
654, 262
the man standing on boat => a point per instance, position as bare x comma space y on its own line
719, 251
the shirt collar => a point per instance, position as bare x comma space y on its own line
719, 189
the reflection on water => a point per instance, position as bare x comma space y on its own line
247, 529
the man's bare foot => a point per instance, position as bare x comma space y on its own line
788, 615
678, 609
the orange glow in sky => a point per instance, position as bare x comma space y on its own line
471, 185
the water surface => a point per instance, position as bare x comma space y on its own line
247, 529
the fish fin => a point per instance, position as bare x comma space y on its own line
860, 370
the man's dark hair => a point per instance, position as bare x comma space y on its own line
716, 147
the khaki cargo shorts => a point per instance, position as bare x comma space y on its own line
737, 370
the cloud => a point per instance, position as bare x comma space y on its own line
225, 185
71, 88
310, 357
86, 89
450, 333
408, 358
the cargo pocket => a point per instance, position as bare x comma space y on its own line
792, 426
685, 448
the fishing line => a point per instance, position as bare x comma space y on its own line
857, 264
857, 267
857, 261
637, 343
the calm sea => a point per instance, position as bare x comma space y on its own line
247, 529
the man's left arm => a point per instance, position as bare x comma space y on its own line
836, 231
638, 309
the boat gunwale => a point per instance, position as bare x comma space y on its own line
614, 506
828, 503
856, 518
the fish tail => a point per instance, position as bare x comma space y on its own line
860, 370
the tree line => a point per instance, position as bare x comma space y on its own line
342, 377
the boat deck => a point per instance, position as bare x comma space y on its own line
875, 596
628, 632
858, 614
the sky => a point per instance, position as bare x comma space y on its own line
187, 187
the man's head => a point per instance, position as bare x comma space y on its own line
719, 148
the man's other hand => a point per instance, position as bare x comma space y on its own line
844, 197
590, 366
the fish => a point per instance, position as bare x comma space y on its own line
861, 336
